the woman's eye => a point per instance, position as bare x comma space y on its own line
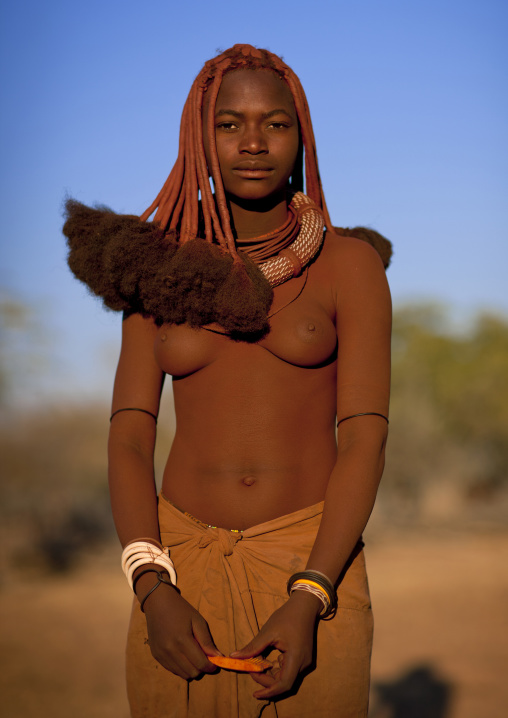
227, 126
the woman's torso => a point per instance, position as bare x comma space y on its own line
255, 434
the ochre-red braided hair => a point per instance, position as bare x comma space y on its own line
177, 204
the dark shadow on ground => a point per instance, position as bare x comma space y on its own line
418, 693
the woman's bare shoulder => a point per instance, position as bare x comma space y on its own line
139, 323
349, 262
340, 249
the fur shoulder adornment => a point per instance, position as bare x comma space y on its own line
135, 267
382, 245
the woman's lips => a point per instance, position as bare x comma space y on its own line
253, 172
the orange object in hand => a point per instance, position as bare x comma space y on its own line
247, 665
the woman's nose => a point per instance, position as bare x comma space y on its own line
253, 141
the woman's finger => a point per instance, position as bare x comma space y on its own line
283, 679
264, 679
179, 664
184, 657
254, 647
204, 638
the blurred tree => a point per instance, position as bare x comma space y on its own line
449, 412
22, 347
54, 483
54, 502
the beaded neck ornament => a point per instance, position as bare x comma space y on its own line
290, 261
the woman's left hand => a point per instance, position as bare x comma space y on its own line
291, 629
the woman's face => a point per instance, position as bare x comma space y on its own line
256, 131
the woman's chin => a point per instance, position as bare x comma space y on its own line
258, 194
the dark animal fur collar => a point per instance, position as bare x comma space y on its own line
135, 267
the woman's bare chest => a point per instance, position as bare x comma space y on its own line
302, 333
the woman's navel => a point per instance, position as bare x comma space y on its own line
248, 480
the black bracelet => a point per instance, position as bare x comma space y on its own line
132, 408
161, 579
141, 605
364, 413
142, 573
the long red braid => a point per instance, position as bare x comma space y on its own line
176, 205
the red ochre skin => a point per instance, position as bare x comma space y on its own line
255, 435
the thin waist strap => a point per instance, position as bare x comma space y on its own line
193, 518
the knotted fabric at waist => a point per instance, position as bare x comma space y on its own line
178, 526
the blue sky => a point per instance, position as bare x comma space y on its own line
409, 103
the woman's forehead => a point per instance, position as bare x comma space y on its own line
254, 88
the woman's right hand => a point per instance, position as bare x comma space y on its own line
178, 635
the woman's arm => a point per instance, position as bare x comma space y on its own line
178, 635
363, 385
363, 317
138, 384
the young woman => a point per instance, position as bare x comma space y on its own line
273, 326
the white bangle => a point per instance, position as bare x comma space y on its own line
136, 556
316, 591
133, 558
139, 553
133, 549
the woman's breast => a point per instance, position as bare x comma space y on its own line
181, 350
305, 339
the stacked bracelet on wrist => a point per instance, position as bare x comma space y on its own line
319, 585
139, 553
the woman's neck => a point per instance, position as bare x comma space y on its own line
255, 218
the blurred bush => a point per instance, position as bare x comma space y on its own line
23, 346
448, 443
54, 503
54, 487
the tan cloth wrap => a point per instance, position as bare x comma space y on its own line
236, 581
